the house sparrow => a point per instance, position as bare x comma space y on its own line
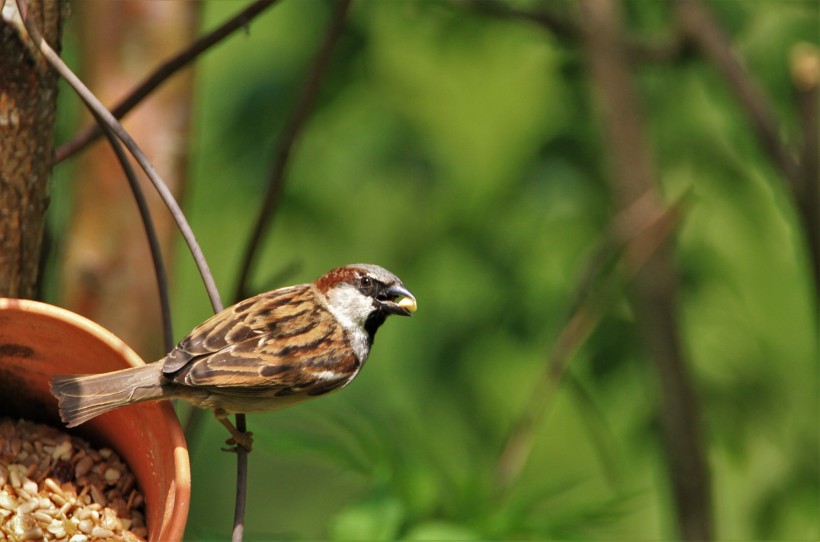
264, 353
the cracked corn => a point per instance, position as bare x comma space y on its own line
54, 486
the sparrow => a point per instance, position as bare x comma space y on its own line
264, 353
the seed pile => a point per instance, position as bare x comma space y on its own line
54, 486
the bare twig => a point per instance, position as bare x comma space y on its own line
598, 428
161, 74
655, 287
805, 63
801, 175
561, 26
241, 485
287, 142
566, 28
697, 22
633, 237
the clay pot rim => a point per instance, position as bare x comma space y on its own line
182, 469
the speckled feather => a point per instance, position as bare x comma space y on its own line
264, 353
275, 344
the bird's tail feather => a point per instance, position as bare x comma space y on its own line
82, 397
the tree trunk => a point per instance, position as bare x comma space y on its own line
28, 104
656, 285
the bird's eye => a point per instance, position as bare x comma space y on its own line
367, 285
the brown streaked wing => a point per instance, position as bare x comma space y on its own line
243, 321
305, 352
276, 377
295, 370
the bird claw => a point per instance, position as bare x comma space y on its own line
238, 438
243, 440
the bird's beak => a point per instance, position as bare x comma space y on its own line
398, 300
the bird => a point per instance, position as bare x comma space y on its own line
262, 354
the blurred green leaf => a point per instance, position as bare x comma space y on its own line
441, 530
378, 518
462, 152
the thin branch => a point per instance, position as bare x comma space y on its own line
151, 234
558, 25
801, 175
700, 26
655, 287
633, 238
598, 428
287, 142
161, 74
241, 485
106, 117
566, 28
805, 61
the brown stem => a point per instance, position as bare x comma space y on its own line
702, 29
635, 234
558, 25
802, 176
566, 28
806, 79
241, 485
656, 285
104, 116
287, 142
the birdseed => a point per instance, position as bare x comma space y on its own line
54, 486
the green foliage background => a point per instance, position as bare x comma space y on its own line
463, 153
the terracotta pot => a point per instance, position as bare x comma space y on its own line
38, 340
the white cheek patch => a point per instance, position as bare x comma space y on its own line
351, 308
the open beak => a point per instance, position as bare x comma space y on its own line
398, 300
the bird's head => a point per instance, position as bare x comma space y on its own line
361, 296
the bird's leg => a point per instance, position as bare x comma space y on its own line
237, 438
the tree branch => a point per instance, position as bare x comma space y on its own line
566, 28
241, 485
655, 288
702, 29
287, 142
161, 74
270, 203
560, 26
801, 175
633, 237
805, 61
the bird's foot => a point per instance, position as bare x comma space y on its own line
238, 438
243, 440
